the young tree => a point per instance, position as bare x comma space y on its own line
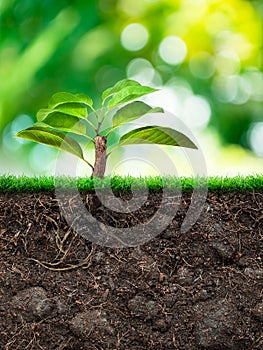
68, 118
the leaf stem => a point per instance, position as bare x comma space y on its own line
95, 112
98, 128
87, 162
111, 130
88, 137
104, 115
91, 124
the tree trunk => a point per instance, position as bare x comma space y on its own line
100, 156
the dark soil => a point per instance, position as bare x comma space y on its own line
198, 290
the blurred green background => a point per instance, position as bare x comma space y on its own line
205, 56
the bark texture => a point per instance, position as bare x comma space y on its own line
100, 156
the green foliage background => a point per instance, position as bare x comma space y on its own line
48, 46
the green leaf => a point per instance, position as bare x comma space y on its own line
158, 135
118, 87
65, 122
52, 138
61, 98
42, 113
130, 93
74, 109
131, 112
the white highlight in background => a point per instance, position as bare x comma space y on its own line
256, 137
196, 112
134, 37
173, 50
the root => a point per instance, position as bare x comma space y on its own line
63, 252
85, 263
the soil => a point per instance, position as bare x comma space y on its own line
196, 290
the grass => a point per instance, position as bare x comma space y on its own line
10, 183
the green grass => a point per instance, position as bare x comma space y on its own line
10, 183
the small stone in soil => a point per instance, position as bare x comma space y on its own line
223, 249
92, 321
185, 276
140, 306
256, 274
31, 304
216, 327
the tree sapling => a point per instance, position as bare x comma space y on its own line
71, 118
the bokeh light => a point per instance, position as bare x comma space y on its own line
132, 8
227, 62
196, 112
254, 82
173, 50
10, 143
134, 37
46, 162
143, 71
202, 65
256, 138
